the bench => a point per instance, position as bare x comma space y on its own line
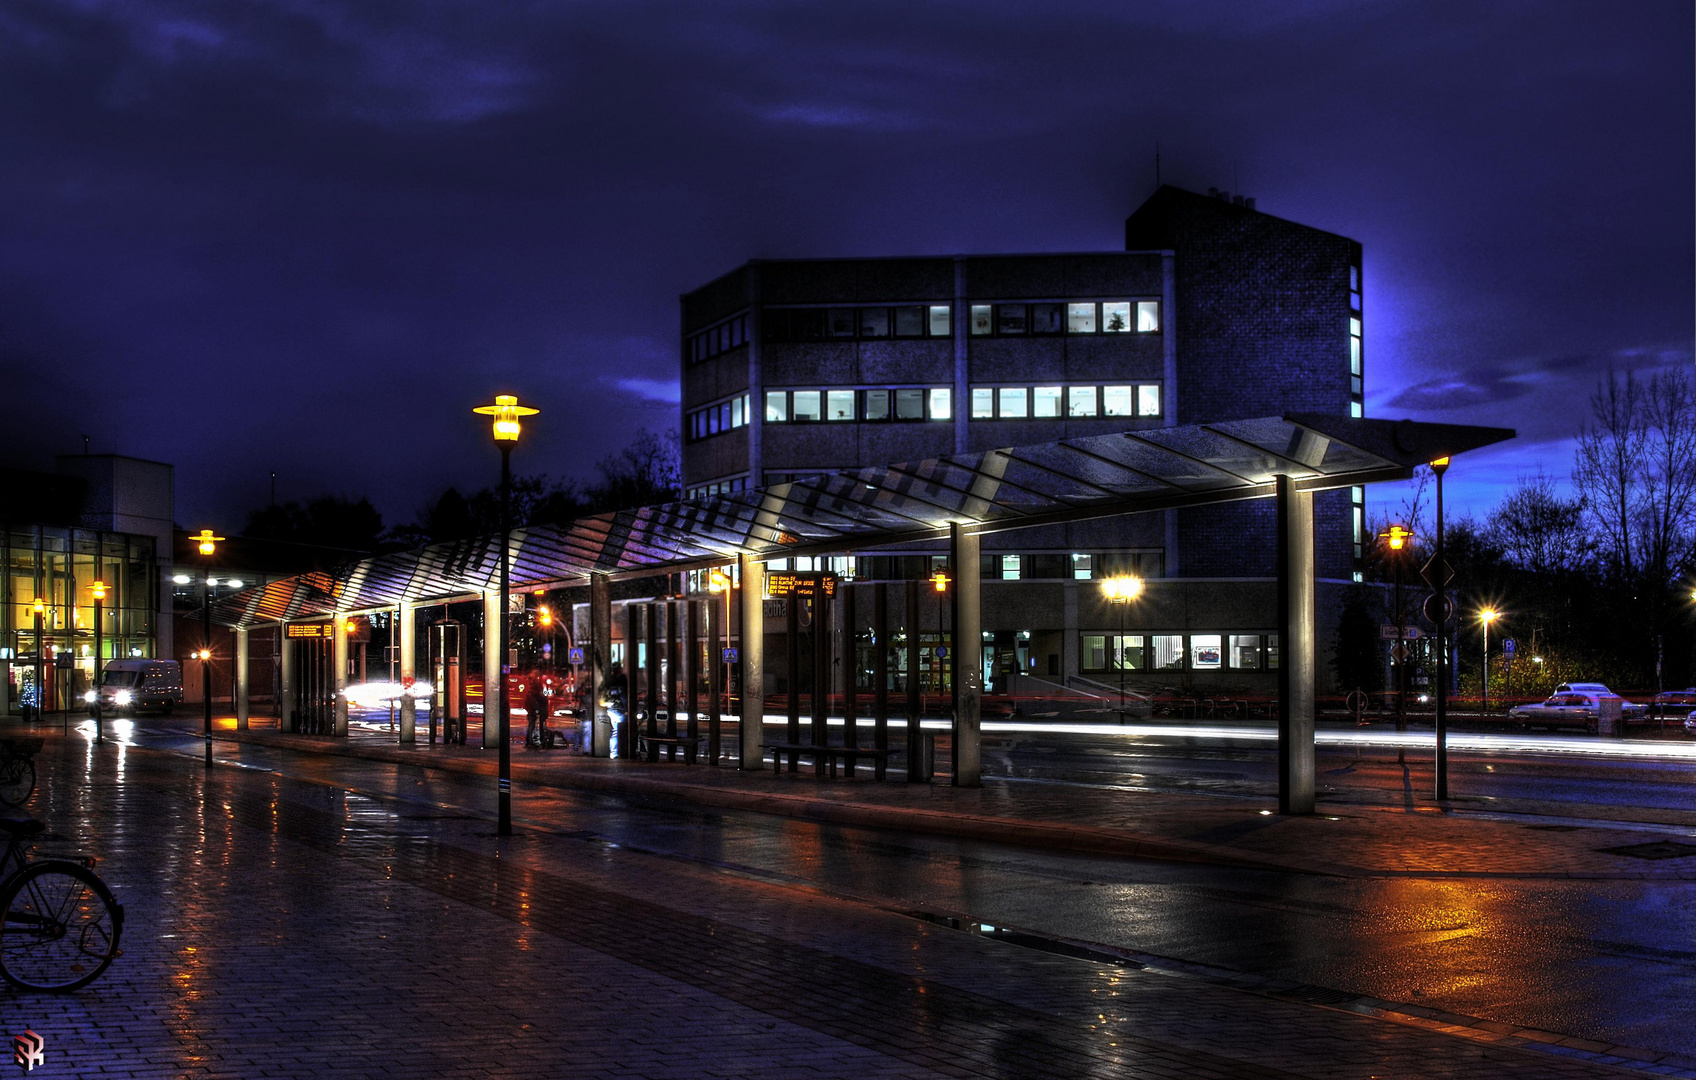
672, 744
849, 755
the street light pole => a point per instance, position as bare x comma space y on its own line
506, 428
1440, 466
1120, 591
40, 609
208, 544
1484, 618
99, 589
1399, 539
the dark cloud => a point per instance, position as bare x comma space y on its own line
309, 234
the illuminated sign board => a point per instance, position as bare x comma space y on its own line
311, 630
782, 584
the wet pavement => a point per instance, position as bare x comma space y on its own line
313, 914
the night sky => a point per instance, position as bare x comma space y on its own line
310, 235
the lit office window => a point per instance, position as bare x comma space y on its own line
1354, 327
777, 406
1048, 318
1354, 356
1094, 652
941, 325
1127, 652
804, 405
877, 404
1168, 650
1245, 652
1010, 318
909, 322
1206, 652
1080, 318
1013, 402
910, 404
983, 403
983, 319
1148, 316
1148, 400
840, 322
1083, 567
874, 322
1116, 401
739, 411
839, 404
1080, 401
1356, 409
1116, 317
941, 403
1045, 401
1011, 566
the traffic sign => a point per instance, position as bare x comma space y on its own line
731, 655
1388, 632
575, 656
1429, 573
942, 652
1439, 608
1508, 646
1398, 652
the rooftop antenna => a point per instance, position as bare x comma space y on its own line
273, 487
85, 446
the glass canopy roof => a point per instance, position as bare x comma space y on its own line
885, 505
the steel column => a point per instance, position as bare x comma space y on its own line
880, 667
968, 657
240, 690
598, 654
849, 665
338, 675
652, 611
915, 704
792, 644
406, 640
672, 675
715, 673
494, 724
1295, 649
820, 735
692, 668
632, 678
751, 651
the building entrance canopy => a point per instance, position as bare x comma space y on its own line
863, 509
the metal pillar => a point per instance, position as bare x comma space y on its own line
598, 656
880, 667
653, 666
1442, 687
692, 668
632, 678
673, 700
406, 632
849, 664
715, 673
286, 680
240, 690
792, 647
820, 734
915, 704
338, 673
494, 725
751, 651
968, 657
1295, 649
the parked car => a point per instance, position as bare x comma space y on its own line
1571, 708
1675, 705
133, 685
1630, 711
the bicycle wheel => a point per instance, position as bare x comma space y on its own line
61, 929
17, 780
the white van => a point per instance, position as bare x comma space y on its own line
133, 685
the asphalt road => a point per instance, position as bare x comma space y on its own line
1607, 960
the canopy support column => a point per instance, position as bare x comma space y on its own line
406, 629
338, 677
494, 724
715, 673
632, 679
916, 772
751, 650
289, 719
239, 691
968, 656
600, 649
1295, 649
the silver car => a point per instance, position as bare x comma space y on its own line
1567, 709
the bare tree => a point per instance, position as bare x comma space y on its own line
1539, 531
1606, 469
1664, 517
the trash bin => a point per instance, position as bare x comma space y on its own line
1610, 716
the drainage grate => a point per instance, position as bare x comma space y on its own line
1058, 946
1554, 828
1314, 995
1659, 849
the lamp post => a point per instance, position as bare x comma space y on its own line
1399, 539
1441, 466
1485, 618
1120, 591
40, 610
99, 589
207, 544
505, 427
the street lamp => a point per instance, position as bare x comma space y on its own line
1485, 618
1120, 591
99, 590
1399, 539
207, 544
505, 428
40, 610
1439, 577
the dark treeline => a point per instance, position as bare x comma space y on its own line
1597, 586
645, 472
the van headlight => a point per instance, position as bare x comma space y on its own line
123, 697
90, 697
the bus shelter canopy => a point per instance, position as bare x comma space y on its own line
887, 505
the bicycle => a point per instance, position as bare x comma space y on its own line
62, 923
17, 769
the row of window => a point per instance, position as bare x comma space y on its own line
900, 403
713, 419
718, 487
1073, 566
937, 320
846, 323
1089, 317
1178, 652
727, 335
1041, 402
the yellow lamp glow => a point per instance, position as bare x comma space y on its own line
1488, 616
208, 542
1122, 589
99, 590
506, 410
718, 581
39, 607
1398, 537
940, 581
544, 616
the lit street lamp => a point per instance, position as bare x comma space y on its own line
1120, 591
505, 427
1399, 539
40, 610
1440, 561
208, 544
1485, 618
99, 589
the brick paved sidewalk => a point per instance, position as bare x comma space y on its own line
1349, 839
285, 928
